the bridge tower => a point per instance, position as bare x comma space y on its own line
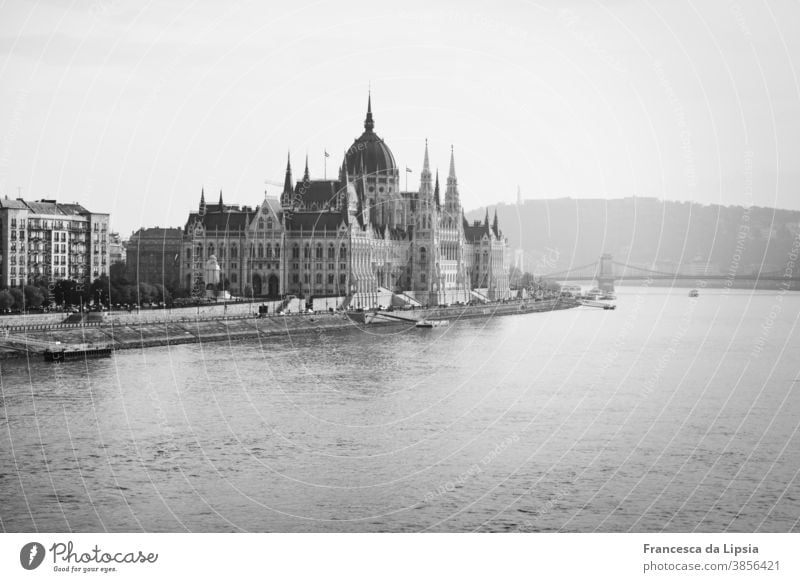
605, 272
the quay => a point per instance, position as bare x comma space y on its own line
141, 331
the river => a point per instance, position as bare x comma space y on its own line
667, 414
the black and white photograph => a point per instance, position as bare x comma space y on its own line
422, 267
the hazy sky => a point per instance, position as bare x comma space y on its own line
131, 107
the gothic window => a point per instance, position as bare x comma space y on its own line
295, 252
331, 252
234, 251
423, 255
277, 251
210, 249
260, 224
307, 251
269, 223
343, 253
318, 278
260, 251
269, 251
330, 278
319, 251
199, 251
221, 251
342, 279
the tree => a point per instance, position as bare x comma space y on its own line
63, 291
19, 298
117, 274
147, 293
33, 296
6, 300
99, 289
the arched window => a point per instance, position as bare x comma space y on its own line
423, 255
319, 251
318, 278
210, 249
260, 251
188, 253
199, 251
269, 251
307, 251
342, 253
277, 251
295, 251
331, 252
260, 224
221, 251
234, 251
269, 222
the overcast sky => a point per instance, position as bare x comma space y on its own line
132, 107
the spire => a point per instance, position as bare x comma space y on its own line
425, 186
436, 192
220, 200
369, 124
452, 174
486, 220
202, 209
306, 177
452, 201
495, 227
286, 195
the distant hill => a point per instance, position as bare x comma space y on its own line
669, 236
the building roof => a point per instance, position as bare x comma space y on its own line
320, 192
45, 207
314, 221
475, 232
369, 154
157, 233
228, 220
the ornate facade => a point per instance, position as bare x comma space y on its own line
359, 237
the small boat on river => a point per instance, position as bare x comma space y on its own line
59, 353
426, 323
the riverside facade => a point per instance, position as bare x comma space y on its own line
358, 238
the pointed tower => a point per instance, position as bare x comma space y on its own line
286, 195
221, 207
452, 202
425, 183
306, 177
495, 226
486, 220
369, 124
202, 209
436, 198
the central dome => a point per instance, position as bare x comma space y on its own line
369, 152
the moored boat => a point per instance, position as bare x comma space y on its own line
694, 293
431, 323
79, 351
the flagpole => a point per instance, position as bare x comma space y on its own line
325, 160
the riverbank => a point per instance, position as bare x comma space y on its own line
180, 329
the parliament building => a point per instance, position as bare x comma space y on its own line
358, 240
